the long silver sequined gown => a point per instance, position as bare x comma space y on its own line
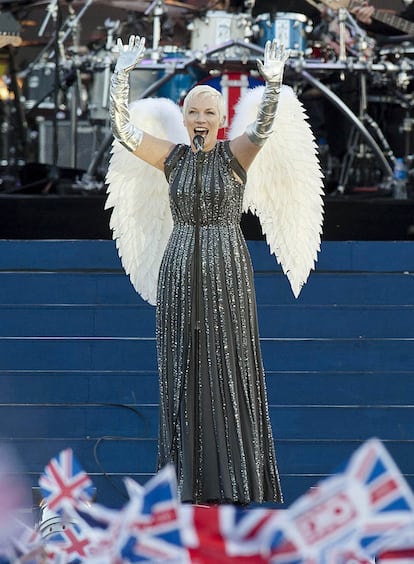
214, 423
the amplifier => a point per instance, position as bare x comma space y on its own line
87, 138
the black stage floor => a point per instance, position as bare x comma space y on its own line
82, 216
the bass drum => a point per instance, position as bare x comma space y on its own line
232, 85
216, 28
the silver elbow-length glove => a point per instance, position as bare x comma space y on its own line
122, 128
271, 70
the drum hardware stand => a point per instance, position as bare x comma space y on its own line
248, 28
342, 18
364, 41
111, 27
203, 58
362, 153
408, 128
51, 11
157, 6
350, 115
73, 27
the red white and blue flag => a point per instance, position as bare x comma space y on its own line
358, 509
364, 511
226, 533
64, 482
151, 522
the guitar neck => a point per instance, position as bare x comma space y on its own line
390, 19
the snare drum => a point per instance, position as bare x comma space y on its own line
289, 29
215, 29
232, 85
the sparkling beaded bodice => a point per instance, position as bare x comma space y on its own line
221, 196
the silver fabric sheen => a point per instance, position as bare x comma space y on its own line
261, 129
122, 128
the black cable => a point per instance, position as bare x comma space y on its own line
100, 440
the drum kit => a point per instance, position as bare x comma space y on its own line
63, 94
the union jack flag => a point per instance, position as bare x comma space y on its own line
72, 540
232, 86
152, 522
64, 482
355, 510
224, 534
389, 500
365, 510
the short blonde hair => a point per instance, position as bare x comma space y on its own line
204, 89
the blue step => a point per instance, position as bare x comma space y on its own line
90, 255
272, 288
278, 321
335, 423
128, 455
107, 353
303, 388
78, 359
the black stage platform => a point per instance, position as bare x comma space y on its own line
82, 216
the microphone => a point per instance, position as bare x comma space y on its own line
198, 142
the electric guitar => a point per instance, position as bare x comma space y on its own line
9, 30
385, 17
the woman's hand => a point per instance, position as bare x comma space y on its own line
275, 57
364, 14
131, 54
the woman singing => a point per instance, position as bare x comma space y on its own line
214, 421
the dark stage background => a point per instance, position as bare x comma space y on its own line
58, 210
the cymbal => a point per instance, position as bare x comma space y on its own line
12, 3
178, 4
142, 5
132, 5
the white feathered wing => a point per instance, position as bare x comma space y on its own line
141, 220
284, 186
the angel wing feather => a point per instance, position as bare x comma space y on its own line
284, 187
141, 220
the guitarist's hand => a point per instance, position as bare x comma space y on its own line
364, 13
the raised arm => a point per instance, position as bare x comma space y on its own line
147, 147
246, 147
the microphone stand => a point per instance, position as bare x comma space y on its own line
54, 174
196, 317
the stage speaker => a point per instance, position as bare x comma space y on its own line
86, 143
